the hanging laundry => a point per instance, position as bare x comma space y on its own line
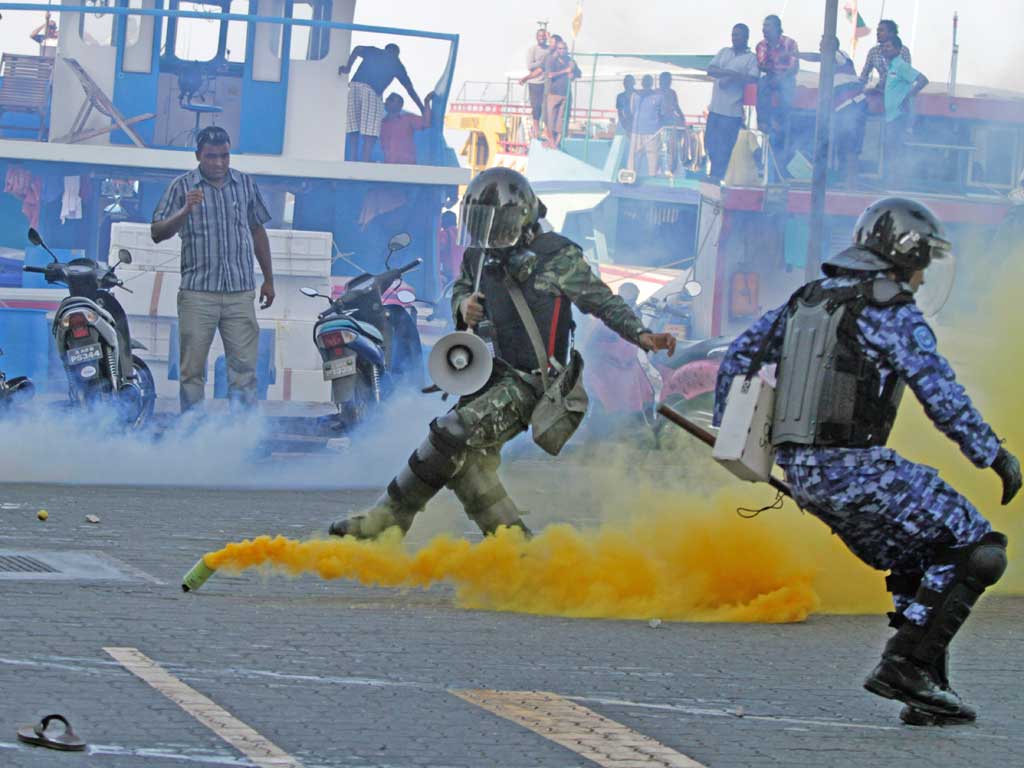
27, 188
71, 203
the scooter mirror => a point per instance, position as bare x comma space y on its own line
124, 256
399, 241
33, 236
311, 292
693, 288
405, 296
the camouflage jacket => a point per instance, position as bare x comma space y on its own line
564, 273
901, 343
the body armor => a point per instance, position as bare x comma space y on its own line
552, 312
829, 393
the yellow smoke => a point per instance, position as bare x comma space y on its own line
665, 540
683, 559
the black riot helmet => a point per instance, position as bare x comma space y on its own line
498, 208
894, 233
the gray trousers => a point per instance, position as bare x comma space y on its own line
200, 315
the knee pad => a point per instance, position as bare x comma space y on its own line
984, 562
448, 434
436, 461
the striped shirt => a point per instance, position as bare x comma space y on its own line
216, 239
877, 62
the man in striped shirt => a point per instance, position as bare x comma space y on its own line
219, 214
876, 61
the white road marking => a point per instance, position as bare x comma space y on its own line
158, 753
261, 751
593, 736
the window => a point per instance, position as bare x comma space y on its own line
994, 160
237, 32
196, 39
138, 42
310, 43
96, 28
133, 25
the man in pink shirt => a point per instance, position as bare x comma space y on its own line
778, 58
398, 129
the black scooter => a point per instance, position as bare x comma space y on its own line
14, 391
91, 331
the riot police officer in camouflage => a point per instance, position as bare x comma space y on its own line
501, 220
846, 346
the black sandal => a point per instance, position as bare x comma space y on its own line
36, 734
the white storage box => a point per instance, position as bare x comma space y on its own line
292, 252
153, 294
301, 386
294, 345
289, 303
744, 444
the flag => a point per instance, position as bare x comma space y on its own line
577, 19
860, 29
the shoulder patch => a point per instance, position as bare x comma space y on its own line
924, 338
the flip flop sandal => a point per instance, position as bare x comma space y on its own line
37, 735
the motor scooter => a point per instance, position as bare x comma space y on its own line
93, 340
14, 391
369, 342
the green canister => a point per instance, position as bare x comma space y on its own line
196, 577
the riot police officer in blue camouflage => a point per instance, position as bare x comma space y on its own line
846, 347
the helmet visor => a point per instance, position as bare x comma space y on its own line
489, 226
938, 283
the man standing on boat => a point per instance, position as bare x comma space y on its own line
779, 60
377, 71
535, 79
732, 69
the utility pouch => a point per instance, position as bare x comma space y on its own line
563, 402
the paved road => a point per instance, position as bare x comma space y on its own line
341, 675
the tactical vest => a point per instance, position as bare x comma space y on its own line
553, 312
829, 393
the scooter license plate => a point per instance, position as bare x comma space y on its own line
336, 369
78, 355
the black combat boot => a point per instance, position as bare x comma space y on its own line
913, 716
912, 668
898, 676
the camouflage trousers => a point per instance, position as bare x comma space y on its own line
892, 513
499, 412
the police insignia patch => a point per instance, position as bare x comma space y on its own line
925, 338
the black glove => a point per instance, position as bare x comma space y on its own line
1007, 467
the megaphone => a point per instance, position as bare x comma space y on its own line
460, 363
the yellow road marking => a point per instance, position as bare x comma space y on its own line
600, 740
249, 742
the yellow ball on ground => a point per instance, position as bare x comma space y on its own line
42, 514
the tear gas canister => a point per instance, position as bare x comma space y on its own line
196, 577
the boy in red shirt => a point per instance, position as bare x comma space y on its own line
398, 128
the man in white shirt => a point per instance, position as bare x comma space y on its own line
732, 69
535, 80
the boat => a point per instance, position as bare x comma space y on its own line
108, 116
746, 239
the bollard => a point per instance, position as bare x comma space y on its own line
196, 577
